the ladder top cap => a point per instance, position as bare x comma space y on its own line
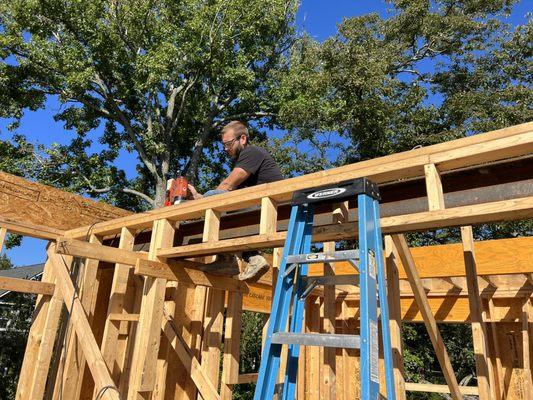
337, 192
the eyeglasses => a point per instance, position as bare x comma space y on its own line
229, 143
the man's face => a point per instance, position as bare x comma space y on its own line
233, 145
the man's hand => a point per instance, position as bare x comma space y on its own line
193, 193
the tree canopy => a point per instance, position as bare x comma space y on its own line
160, 76
432, 71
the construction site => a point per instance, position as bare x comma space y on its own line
125, 310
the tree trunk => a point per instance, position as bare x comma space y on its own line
160, 191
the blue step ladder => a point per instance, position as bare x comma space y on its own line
294, 285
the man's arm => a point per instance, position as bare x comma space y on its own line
234, 179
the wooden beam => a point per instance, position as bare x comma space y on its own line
30, 230
3, 233
96, 251
434, 188
492, 342
432, 388
121, 275
71, 380
395, 315
87, 343
148, 336
26, 286
479, 331
527, 319
174, 271
429, 320
232, 345
35, 334
466, 215
123, 317
510, 142
214, 310
269, 216
190, 363
44, 355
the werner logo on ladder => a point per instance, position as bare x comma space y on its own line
293, 286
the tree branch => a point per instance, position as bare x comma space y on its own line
107, 189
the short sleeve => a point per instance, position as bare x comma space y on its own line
250, 159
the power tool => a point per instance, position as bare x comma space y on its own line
176, 190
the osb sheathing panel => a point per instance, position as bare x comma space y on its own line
33, 203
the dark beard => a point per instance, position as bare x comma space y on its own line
237, 153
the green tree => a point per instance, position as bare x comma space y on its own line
430, 72
158, 77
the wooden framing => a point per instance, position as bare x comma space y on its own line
163, 318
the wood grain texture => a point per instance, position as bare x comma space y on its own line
38, 204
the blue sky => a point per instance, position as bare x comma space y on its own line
317, 17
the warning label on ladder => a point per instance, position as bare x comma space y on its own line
374, 367
372, 264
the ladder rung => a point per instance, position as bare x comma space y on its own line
317, 339
352, 279
335, 256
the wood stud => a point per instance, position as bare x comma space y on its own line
429, 320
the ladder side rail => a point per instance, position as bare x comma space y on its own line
270, 357
296, 323
384, 308
369, 370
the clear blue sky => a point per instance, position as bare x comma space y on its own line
317, 17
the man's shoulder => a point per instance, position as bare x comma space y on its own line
255, 149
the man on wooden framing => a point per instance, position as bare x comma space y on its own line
253, 166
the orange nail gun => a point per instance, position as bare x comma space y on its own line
176, 191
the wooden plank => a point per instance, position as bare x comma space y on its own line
211, 229
527, 319
432, 388
26, 286
493, 257
212, 334
395, 315
329, 371
197, 311
74, 364
149, 328
3, 233
36, 204
35, 334
434, 188
510, 142
232, 345
429, 320
495, 362
269, 216
97, 251
466, 215
44, 356
174, 271
128, 333
87, 343
479, 331
123, 317
31, 230
122, 274
247, 378
192, 366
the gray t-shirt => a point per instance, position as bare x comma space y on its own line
260, 164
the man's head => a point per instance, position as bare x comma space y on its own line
234, 138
